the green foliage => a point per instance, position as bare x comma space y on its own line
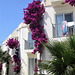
63, 53
72, 42
4, 57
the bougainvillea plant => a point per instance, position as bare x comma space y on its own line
33, 15
16, 59
36, 69
0, 66
17, 68
14, 44
71, 2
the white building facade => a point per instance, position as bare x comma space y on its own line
56, 11
28, 60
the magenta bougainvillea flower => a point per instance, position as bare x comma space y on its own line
16, 59
0, 66
16, 68
36, 69
71, 2
12, 43
39, 61
33, 14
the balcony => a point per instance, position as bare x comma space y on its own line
28, 46
57, 2
57, 29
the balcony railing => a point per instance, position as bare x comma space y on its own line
28, 45
57, 2
57, 30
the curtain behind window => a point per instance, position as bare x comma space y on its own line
31, 66
59, 19
31, 42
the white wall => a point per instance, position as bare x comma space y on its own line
48, 20
24, 54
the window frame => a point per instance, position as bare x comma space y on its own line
35, 62
63, 14
30, 40
27, 43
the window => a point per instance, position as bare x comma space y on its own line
62, 17
32, 62
29, 44
26, 44
69, 17
70, 30
59, 19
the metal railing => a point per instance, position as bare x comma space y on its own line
28, 45
57, 30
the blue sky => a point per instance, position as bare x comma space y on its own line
11, 15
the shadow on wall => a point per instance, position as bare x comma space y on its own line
19, 52
46, 55
22, 72
46, 16
23, 69
24, 62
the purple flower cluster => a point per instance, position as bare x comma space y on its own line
71, 2
12, 43
36, 69
0, 66
32, 15
17, 68
16, 59
33, 12
39, 61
